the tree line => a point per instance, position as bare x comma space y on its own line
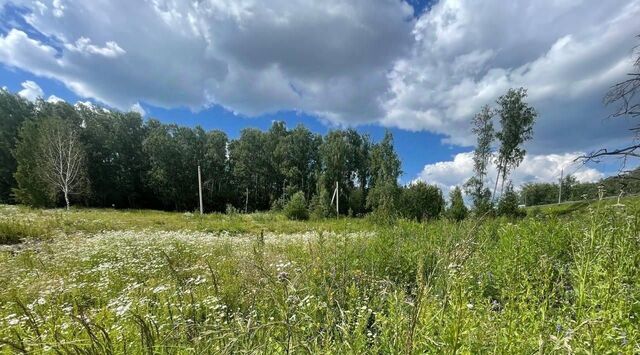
56, 154
533, 194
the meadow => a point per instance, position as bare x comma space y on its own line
561, 280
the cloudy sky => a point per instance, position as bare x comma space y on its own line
421, 69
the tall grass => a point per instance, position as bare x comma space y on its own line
540, 285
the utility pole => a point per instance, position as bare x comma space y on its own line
200, 189
246, 202
560, 186
336, 197
337, 200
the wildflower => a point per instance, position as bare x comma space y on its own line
283, 276
160, 288
470, 306
122, 309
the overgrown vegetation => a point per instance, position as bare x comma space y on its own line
296, 208
157, 282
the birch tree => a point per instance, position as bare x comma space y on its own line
62, 159
484, 131
516, 121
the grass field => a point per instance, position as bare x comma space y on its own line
564, 280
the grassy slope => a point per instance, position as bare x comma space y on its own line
132, 281
578, 207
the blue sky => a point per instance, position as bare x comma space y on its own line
420, 69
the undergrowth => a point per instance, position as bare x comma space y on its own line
537, 285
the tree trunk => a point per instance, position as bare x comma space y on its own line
66, 198
493, 196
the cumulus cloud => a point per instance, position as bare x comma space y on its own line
534, 168
346, 62
466, 53
328, 58
138, 108
31, 90
54, 99
84, 45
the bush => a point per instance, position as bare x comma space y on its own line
508, 204
296, 208
457, 210
319, 206
420, 201
279, 204
231, 210
384, 200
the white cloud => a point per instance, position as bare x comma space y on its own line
83, 45
58, 8
347, 62
138, 108
534, 168
30, 90
466, 53
54, 99
326, 58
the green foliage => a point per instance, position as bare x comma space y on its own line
51, 158
149, 281
384, 195
133, 163
516, 127
14, 110
539, 193
457, 210
319, 205
115, 158
30, 188
384, 200
475, 186
420, 201
296, 208
508, 204
14, 232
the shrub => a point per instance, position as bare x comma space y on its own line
457, 210
422, 201
231, 210
319, 206
508, 204
279, 204
384, 201
296, 208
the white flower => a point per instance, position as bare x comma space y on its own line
122, 309
160, 288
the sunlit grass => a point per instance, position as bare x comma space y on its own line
153, 282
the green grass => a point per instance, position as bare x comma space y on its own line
152, 282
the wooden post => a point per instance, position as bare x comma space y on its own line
337, 200
246, 202
200, 189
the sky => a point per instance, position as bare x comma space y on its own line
421, 69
